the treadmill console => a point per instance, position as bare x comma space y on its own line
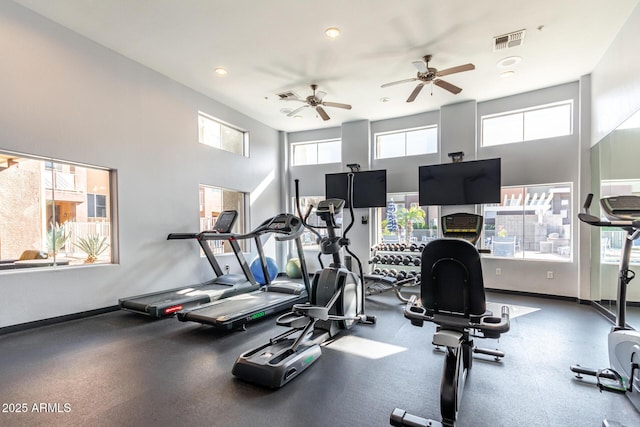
284, 224
621, 207
465, 226
225, 221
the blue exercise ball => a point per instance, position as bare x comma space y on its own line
256, 270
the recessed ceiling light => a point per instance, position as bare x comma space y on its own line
385, 99
297, 116
509, 61
221, 71
506, 74
332, 32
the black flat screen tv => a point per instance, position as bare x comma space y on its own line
369, 188
463, 183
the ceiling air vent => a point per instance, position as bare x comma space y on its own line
507, 41
287, 95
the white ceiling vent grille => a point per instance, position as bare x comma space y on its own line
507, 41
287, 95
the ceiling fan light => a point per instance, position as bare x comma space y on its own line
332, 32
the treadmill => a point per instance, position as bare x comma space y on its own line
274, 297
167, 303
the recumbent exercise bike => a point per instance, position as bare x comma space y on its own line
452, 296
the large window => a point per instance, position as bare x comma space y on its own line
407, 143
53, 213
214, 200
544, 121
316, 153
531, 222
219, 135
309, 239
403, 220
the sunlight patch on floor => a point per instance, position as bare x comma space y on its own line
514, 310
364, 347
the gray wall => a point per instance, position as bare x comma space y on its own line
68, 98
71, 99
535, 162
615, 96
615, 85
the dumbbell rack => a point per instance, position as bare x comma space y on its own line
395, 266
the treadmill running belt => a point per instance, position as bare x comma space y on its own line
240, 307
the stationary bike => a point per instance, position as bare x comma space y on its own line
624, 342
452, 296
336, 304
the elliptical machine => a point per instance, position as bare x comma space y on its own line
624, 342
336, 304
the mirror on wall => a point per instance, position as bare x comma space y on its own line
616, 171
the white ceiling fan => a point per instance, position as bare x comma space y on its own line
314, 100
428, 74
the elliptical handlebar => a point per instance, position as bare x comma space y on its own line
304, 217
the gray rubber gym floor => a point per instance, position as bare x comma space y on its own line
120, 369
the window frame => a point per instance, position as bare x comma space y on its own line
377, 135
240, 227
427, 231
293, 146
520, 246
221, 123
523, 112
70, 200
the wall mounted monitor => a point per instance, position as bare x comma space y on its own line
463, 183
369, 188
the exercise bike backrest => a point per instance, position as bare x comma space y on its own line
452, 278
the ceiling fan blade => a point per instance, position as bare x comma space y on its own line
415, 92
320, 94
337, 105
322, 113
420, 65
448, 86
458, 69
413, 79
296, 111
